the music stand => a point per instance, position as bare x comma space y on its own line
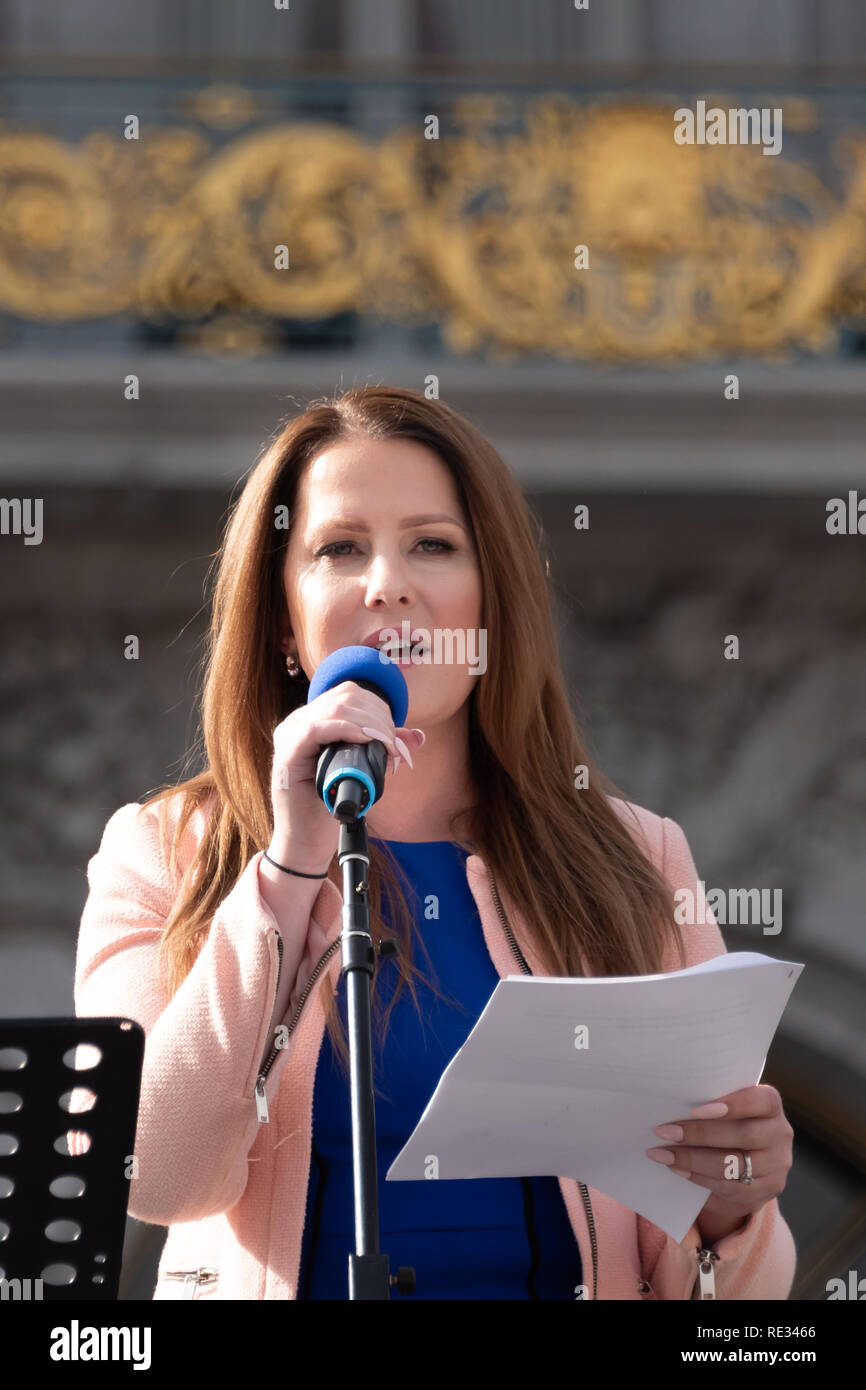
63, 1210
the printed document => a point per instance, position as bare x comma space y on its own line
568, 1077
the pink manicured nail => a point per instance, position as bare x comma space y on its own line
385, 738
404, 751
669, 1132
421, 735
714, 1111
660, 1156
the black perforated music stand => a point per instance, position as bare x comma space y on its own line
39, 1163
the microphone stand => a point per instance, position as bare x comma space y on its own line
369, 1276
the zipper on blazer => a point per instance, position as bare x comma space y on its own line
584, 1191
706, 1272
192, 1278
271, 1057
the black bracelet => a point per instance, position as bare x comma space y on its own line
291, 871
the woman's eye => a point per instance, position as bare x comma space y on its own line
329, 549
426, 540
431, 540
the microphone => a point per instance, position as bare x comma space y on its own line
351, 776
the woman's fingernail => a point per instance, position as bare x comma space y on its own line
714, 1111
404, 751
669, 1132
377, 733
660, 1155
421, 734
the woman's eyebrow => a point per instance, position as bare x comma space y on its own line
351, 523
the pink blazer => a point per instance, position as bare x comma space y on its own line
231, 1188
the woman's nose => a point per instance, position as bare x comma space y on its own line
388, 581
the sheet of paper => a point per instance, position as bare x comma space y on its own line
568, 1077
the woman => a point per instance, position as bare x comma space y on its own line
214, 911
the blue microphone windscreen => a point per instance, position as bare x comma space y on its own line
364, 664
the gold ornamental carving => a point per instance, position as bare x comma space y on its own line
693, 251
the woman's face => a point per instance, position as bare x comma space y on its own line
378, 537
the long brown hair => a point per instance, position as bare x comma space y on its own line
562, 856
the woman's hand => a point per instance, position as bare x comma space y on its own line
306, 835
708, 1150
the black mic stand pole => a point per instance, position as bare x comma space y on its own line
369, 1276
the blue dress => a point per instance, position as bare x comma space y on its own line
479, 1238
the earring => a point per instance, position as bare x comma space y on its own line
292, 666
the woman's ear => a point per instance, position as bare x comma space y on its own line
286, 637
